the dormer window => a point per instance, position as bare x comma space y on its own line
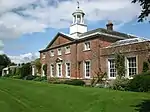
87, 46
59, 51
51, 53
67, 49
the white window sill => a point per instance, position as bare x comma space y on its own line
68, 53
86, 50
112, 78
68, 77
52, 55
87, 77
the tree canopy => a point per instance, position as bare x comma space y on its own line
4, 62
145, 4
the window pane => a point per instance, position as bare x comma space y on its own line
87, 69
112, 68
132, 66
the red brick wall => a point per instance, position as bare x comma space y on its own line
60, 40
77, 55
141, 50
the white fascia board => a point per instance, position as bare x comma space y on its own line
100, 33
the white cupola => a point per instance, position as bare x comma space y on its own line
78, 27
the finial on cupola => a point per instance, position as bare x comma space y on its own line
78, 4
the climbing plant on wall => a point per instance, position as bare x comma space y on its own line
120, 65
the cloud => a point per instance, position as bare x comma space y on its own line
24, 58
1, 47
28, 16
1, 44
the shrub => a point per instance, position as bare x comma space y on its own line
120, 84
29, 77
38, 78
75, 82
140, 83
7, 75
145, 66
25, 70
16, 76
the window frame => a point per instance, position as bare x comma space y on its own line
52, 72
58, 70
68, 76
59, 52
135, 67
52, 54
67, 52
85, 70
109, 69
85, 46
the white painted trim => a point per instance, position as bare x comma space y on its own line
108, 62
43, 73
67, 70
85, 69
100, 33
66, 50
57, 69
52, 55
51, 69
127, 62
59, 53
33, 71
85, 46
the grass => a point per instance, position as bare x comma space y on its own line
30, 96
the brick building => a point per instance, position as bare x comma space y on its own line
81, 53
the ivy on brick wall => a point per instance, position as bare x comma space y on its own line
120, 65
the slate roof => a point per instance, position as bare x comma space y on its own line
99, 31
128, 41
102, 30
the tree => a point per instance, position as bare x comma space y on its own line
26, 70
145, 4
38, 65
4, 62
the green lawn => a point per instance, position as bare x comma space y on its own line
26, 96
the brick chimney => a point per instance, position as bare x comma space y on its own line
109, 25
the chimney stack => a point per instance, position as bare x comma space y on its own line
109, 26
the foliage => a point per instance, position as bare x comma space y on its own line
38, 78
38, 65
25, 70
7, 75
99, 78
120, 84
43, 97
75, 82
120, 65
145, 66
140, 83
45, 69
29, 77
145, 4
4, 62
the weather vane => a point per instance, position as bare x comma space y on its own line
78, 4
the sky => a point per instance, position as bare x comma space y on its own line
26, 26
